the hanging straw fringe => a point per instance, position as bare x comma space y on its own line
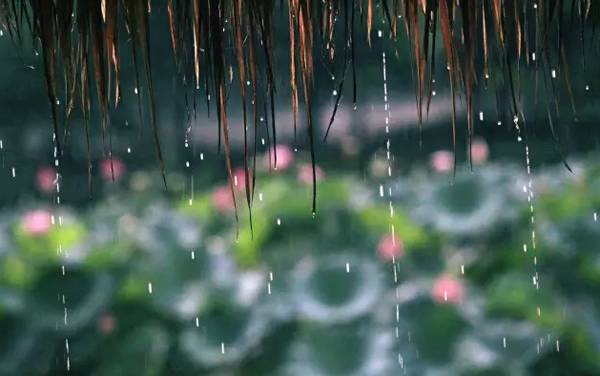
80, 37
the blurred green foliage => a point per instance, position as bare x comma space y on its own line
179, 287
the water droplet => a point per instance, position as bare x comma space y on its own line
149, 287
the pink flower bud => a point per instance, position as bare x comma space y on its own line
447, 289
305, 173
239, 179
36, 222
112, 167
285, 158
45, 179
442, 161
390, 247
480, 151
222, 199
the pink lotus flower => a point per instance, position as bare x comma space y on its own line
390, 248
107, 323
285, 158
112, 167
305, 173
480, 151
36, 222
442, 161
239, 179
45, 179
222, 199
447, 289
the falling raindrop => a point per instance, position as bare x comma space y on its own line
149, 287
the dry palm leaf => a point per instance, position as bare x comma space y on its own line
80, 37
